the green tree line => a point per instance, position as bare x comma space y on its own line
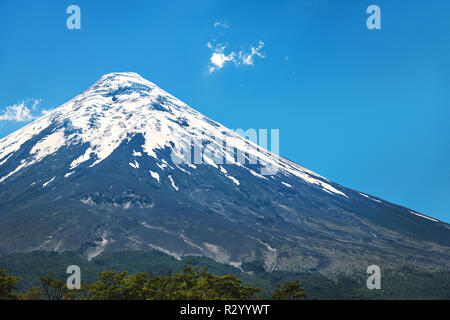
192, 283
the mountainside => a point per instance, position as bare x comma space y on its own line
102, 173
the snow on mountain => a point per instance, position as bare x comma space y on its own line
121, 105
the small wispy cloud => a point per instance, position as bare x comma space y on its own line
219, 58
26, 110
221, 24
254, 52
221, 54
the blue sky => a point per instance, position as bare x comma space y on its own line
368, 109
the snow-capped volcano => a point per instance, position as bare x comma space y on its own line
125, 165
122, 105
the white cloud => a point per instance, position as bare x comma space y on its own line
220, 24
22, 111
221, 54
248, 58
219, 58
18, 112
